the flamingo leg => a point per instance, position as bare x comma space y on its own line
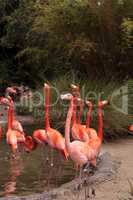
87, 189
46, 151
52, 158
79, 181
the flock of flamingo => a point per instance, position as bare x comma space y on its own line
86, 144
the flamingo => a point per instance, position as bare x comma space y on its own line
16, 125
78, 130
92, 134
80, 152
51, 136
91, 131
11, 137
15, 136
96, 139
27, 141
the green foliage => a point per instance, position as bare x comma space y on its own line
127, 27
47, 38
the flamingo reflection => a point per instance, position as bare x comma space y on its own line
15, 170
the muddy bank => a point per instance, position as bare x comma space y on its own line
106, 170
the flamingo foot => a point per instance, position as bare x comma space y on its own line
99, 159
87, 190
78, 186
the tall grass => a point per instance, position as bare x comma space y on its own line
116, 121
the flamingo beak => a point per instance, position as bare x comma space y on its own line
105, 102
62, 97
73, 86
46, 85
29, 144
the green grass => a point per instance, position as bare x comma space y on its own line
115, 122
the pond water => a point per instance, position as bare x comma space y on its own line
30, 173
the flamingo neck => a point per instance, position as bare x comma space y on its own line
89, 113
100, 124
47, 96
10, 114
68, 124
80, 112
74, 110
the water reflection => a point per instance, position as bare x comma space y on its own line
32, 173
15, 170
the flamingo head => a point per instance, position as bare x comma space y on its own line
88, 103
101, 104
30, 144
46, 86
11, 90
67, 96
75, 90
80, 100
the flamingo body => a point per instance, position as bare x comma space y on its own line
79, 132
40, 136
56, 141
79, 151
12, 139
17, 126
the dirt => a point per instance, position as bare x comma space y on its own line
121, 150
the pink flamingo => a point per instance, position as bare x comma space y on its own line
16, 125
80, 152
14, 136
96, 139
51, 136
11, 137
91, 131
78, 130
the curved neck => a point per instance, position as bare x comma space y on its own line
100, 123
81, 111
74, 110
89, 113
47, 96
68, 124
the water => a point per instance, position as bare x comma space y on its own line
30, 173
